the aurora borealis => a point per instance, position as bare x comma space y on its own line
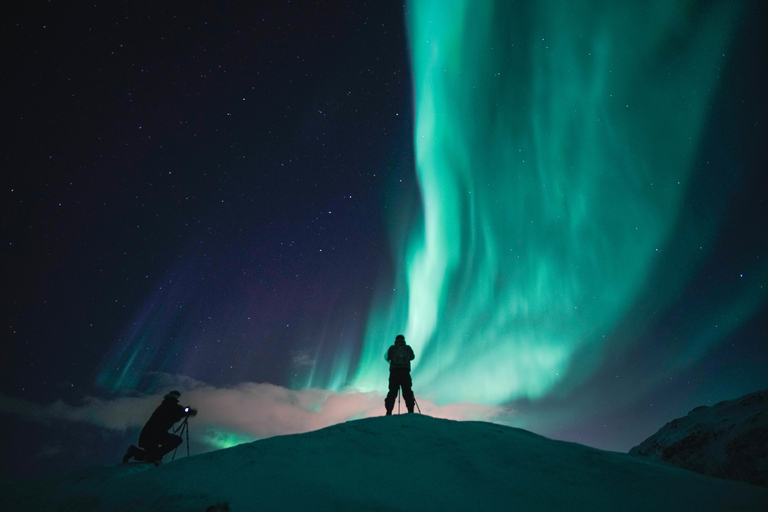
557, 203
554, 149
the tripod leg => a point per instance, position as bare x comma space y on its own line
183, 428
398, 400
175, 450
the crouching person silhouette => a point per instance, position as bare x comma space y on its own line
154, 440
399, 356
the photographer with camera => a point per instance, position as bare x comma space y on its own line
154, 440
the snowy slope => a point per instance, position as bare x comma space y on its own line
727, 440
407, 462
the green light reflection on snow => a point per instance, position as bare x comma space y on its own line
218, 439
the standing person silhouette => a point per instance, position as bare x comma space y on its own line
399, 356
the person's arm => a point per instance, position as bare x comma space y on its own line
387, 356
411, 353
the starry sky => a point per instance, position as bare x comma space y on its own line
560, 205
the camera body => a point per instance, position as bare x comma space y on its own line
189, 411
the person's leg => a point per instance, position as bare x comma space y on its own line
158, 445
389, 402
151, 452
406, 383
140, 455
168, 443
151, 447
133, 452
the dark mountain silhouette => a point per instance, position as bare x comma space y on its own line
727, 440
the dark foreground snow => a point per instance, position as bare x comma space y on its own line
408, 462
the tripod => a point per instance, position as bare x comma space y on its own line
416, 403
183, 430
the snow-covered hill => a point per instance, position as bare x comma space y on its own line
407, 462
727, 440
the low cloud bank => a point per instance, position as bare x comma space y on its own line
242, 412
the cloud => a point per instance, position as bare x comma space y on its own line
243, 412
302, 358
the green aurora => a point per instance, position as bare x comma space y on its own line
554, 147
219, 439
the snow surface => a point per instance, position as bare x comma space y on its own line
401, 462
727, 440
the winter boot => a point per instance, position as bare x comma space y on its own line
132, 452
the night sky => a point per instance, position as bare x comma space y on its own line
562, 208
